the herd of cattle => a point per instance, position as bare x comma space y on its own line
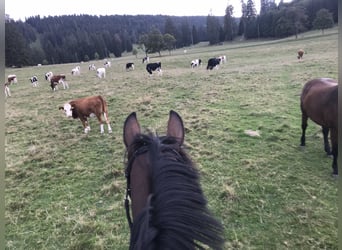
84, 108
54, 80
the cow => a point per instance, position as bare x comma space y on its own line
223, 59
129, 66
86, 107
213, 63
48, 76
196, 63
150, 67
92, 67
101, 73
107, 64
7, 89
12, 79
300, 54
76, 70
34, 81
55, 79
146, 59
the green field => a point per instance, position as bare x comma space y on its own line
65, 189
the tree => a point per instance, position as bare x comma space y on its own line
251, 22
152, 42
135, 52
213, 29
324, 20
169, 42
229, 25
16, 52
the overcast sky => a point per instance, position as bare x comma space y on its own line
21, 9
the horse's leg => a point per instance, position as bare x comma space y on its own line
304, 125
334, 145
325, 132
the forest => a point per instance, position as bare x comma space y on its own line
76, 38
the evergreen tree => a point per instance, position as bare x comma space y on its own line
213, 29
229, 25
16, 51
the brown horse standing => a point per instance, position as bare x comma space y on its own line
318, 102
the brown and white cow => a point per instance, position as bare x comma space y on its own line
86, 107
12, 79
55, 79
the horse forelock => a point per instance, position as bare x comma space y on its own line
177, 214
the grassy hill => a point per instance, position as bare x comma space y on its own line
65, 189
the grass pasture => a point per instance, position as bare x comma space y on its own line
65, 189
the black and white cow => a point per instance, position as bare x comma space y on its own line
146, 59
92, 67
107, 64
34, 81
150, 67
196, 63
129, 66
213, 63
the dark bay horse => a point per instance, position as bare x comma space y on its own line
168, 206
318, 102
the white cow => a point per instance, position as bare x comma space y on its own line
101, 73
76, 71
7, 90
223, 59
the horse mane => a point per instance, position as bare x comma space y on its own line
176, 215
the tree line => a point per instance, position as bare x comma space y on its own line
75, 38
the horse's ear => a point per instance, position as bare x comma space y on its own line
131, 129
175, 127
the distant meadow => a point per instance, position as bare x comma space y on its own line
65, 189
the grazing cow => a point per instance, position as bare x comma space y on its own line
300, 54
76, 71
223, 59
213, 63
54, 80
12, 79
86, 107
7, 90
34, 81
129, 66
92, 67
48, 76
196, 63
150, 67
107, 64
101, 73
146, 59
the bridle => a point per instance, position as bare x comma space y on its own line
128, 170
141, 149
